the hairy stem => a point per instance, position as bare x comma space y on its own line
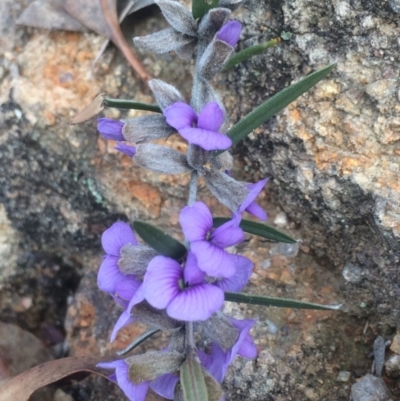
192, 188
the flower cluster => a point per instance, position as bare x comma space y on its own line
183, 295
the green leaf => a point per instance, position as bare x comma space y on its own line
130, 104
137, 341
279, 302
192, 380
249, 52
276, 103
201, 7
260, 229
159, 240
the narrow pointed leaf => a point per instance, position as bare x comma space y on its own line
137, 341
201, 7
273, 301
276, 103
130, 104
260, 229
192, 381
159, 240
249, 52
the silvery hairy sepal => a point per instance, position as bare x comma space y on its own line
155, 318
146, 128
166, 95
231, 4
227, 190
181, 37
203, 93
161, 159
135, 258
211, 23
214, 58
153, 364
178, 17
220, 330
168, 40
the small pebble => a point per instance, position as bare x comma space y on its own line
370, 388
289, 250
395, 346
352, 273
343, 376
281, 219
392, 366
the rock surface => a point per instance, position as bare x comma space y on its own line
333, 156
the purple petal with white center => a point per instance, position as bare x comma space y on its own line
196, 221
244, 346
257, 210
230, 32
213, 260
195, 303
132, 391
238, 281
115, 237
228, 234
207, 140
180, 115
192, 274
126, 317
165, 385
126, 287
110, 129
255, 190
109, 274
211, 117
126, 149
161, 281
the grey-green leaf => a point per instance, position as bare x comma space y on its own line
201, 7
249, 52
260, 229
130, 104
276, 103
159, 240
192, 380
273, 301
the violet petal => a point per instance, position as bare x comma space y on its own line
230, 32
207, 140
196, 221
135, 392
115, 237
244, 344
161, 281
211, 117
126, 287
109, 274
195, 303
192, 273
257, 211
228, 234
255, 190
213, 260
126, 149
180, 115
110, 129
165, 385
238, 281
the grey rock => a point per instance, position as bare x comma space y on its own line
370, 388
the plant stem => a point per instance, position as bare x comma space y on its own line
192, 188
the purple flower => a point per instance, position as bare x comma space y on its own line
121, 377
207, 244
218, 362
164, 385
238, 281
165, 287
249, 205
126, 149
201, 130
110, 129
230, 33
110, 279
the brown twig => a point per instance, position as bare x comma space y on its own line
110, 14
